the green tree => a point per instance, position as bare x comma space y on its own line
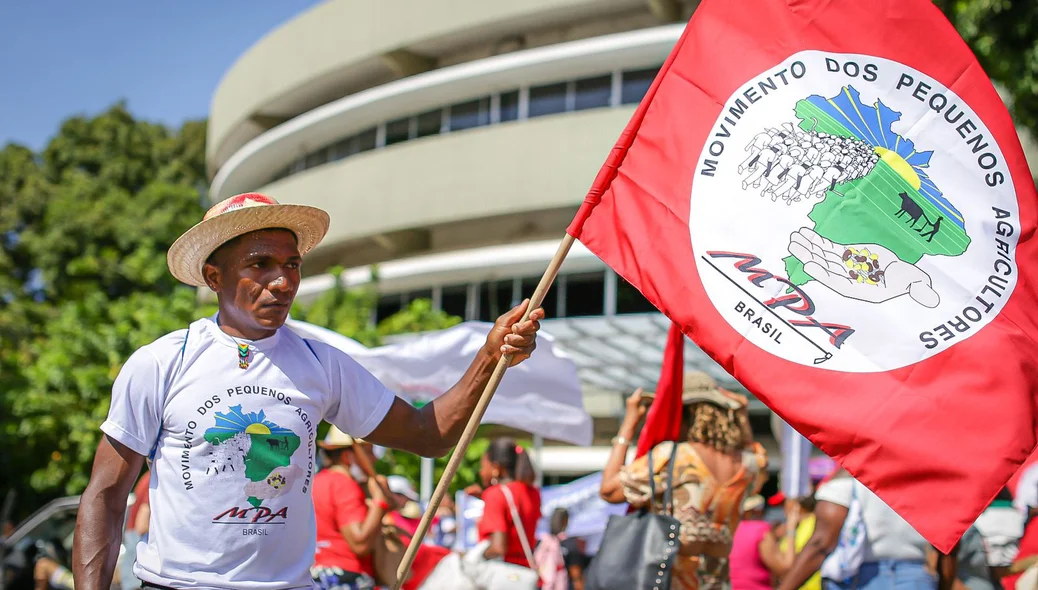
70, 380
418, 316
84, 229
349, 312
1004, 36
410, 466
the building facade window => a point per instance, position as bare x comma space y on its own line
585, 294
551, 298
635, 84
340, 149
453, 300
315, 159
365, 141
602, 91
571, 295
466, 115
592, 93
630, 300
509, 106
495, 298
398, 131
547, 100
429, 123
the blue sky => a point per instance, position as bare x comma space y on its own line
164, 57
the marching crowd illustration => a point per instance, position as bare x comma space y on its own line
797, 165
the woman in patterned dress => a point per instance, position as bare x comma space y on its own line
714, 469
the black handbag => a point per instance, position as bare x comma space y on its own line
638, 550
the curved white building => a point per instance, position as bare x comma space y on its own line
452, 141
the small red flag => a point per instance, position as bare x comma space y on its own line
663, 421
830, 199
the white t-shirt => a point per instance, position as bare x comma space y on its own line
1001, 527
1026, 494
233, 450
890, 536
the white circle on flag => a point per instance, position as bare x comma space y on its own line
852, 213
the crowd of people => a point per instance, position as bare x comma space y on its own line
695, 520
839, 536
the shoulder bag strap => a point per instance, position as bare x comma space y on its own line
525, 542
652, 480
668, 494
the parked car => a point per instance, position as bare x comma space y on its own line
48, 532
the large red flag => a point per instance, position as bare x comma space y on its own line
663, 421
831, 200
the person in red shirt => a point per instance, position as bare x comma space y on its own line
505, 470
347, 526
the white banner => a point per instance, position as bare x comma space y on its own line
795, 474
540, 396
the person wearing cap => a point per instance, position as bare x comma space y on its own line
408, 513
714, 469
347, 527
227, 412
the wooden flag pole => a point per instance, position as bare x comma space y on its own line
477, 414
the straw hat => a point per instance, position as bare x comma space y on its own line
236, 216
699, 387
336, 439
411, 510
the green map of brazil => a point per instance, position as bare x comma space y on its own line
249, 446
890, 208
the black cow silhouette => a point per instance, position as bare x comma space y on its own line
910, 207
278, 445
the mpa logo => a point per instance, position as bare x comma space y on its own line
853, 213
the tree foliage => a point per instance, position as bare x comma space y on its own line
1004, 36
410, 466
85, 226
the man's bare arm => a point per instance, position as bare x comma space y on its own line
102, 508
829, 519
433, 430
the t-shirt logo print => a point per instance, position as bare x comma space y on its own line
258, 451
852, 212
